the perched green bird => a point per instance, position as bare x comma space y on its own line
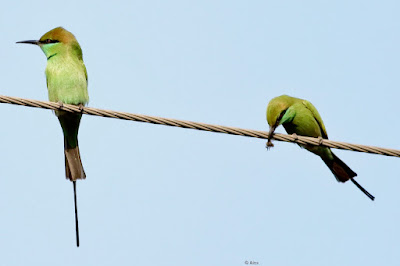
66, 78
300, 117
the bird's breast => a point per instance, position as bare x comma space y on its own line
66, 81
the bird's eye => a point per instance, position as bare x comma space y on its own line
47, 41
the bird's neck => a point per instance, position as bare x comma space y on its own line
60, 51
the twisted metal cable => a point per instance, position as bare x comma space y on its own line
199, 126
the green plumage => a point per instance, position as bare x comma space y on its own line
66, 78
302, 118
66, 74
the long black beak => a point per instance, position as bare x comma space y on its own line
270, 133
30, 42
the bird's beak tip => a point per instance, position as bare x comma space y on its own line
29, 42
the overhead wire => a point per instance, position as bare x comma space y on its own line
198, 126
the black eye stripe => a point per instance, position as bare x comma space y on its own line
280, 117
282, 114
48, 41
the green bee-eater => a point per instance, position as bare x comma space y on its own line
66, 78
302, 118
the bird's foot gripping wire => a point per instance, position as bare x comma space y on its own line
60, 105
295, 137
80, 106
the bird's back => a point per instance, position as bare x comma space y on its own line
304, 122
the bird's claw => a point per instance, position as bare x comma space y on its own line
269, 144
60, 105
80, 107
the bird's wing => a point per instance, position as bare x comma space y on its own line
317, 117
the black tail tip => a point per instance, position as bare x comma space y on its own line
362, 189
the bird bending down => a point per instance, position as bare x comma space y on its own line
300, 117
66, 78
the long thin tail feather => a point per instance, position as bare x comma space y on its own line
362, 189
76, 215
343, 173
73, 164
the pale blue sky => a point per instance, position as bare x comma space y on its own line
158, 195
